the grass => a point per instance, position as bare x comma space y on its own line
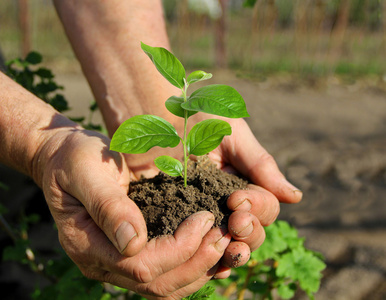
263, 53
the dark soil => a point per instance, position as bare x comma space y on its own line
165, 202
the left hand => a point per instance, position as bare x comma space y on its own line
259, 205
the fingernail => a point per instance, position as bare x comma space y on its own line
246, 231
245, 205
124, 235
222, 243
298, 194
208, 226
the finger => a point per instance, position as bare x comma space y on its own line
236, 255
253, 161
207, 256
80, 235
222, 272
191, 275
198, 284
166, 253
256, 200
117, 215
245, 227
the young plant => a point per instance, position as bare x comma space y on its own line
141, 133
281, 266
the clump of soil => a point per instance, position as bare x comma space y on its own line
165, 202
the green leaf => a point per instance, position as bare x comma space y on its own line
45, 88
198, 76
59, 103
106, 296
286, 291
280, 236
173, 104
16, 252
204, 293
206, 135
167, 64
289, 235
217, 99
141, 133
44, 73
77, 119
16, 61
73, 285
93, 106
274, 243
303, 266
95, 127
259, 287
169, 165
34, 58
249, 3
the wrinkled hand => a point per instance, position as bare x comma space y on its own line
103, 231
259, 205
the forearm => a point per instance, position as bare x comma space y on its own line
26, 123
106, 37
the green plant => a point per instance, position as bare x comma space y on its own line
41, 82
282, 264
141, 133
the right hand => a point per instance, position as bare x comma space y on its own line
104, 232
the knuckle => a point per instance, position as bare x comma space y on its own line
276, 211
271, 212
159, 291
188, 252
259, 240
107, 277
267, 158
92, 274
101, 211
143, 274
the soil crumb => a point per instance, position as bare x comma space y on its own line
165, 202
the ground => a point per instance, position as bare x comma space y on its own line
329, 138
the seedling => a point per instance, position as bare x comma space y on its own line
143, 132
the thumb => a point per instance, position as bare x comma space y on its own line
116, 215
252, 160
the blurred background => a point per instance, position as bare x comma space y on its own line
313, 75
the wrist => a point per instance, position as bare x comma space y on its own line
26, 123
51, 140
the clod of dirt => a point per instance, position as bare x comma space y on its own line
165, 202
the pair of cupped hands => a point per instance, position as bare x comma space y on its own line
104, 233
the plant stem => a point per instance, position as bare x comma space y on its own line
185, 150
230, 290
246, 282
184, 138
7, 228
